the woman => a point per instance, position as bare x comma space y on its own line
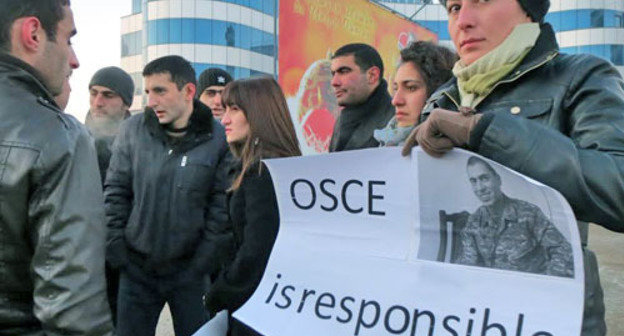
424, 66
556, 118
257, 126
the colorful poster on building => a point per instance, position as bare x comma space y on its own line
310, 31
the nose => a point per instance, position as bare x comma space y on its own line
335, 81
99, 100
151, 101
225, 120
465, 17
217, 99
73, 59
398, 100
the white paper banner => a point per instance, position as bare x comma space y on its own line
372, 243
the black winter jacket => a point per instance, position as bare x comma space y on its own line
165, 200
52, 232
559, 119
255, 219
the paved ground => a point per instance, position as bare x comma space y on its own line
609, 246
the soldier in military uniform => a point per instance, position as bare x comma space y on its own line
510, 234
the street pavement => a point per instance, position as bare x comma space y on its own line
608, 246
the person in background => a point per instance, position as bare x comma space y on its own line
210, 90
357, 78
556, 118
110, 95
423, 68
258, 126
165, 202
52, 232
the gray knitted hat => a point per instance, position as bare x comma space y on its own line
212, 76
117, 80
536, 9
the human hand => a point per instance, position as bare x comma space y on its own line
442, 131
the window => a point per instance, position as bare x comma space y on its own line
597, 18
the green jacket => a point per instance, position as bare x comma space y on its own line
559, 119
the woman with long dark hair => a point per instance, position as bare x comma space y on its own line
257, 126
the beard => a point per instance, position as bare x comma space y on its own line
103, 126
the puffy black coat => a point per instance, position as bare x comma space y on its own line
559, 119
165, 199
52, 231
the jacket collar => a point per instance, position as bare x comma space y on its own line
28, 76
200, 124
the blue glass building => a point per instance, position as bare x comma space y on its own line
582, 26
236, 35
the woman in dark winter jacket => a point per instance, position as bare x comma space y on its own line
257, 126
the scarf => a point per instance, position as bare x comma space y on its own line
477, 80
392, 134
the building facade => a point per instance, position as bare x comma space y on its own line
239, 36
582, 26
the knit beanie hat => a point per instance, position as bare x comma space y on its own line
536, 9
117, 80
212, 76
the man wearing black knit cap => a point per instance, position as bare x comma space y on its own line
554, 117
210, 87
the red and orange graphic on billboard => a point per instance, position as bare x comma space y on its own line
310, 31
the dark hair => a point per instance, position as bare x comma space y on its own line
433, 62
271, 130
473, 160
365, 56
180, 69
49, 13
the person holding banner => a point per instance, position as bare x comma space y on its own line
257, 126
556, 118
424, 67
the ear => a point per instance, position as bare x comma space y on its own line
189, 91
30, 33
372, 75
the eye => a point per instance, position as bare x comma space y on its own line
454, 8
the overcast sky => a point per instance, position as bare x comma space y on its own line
97, 45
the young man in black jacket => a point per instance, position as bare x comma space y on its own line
165, 202
52, 232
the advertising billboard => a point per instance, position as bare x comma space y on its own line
310, 31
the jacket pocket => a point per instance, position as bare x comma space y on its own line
527, 108
197, 173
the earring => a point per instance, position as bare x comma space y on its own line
256, 141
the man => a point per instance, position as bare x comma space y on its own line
357, 79
556, 118
110, 96
211, 84
165, 202
510, 234
52, 231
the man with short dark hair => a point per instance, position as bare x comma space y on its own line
357, 79
212, 81
510, 234
52, 231
165, 202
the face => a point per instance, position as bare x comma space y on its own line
236, 125
105, 103
351, 85
485, 185
172, 106
211, 97
478, 26
410, 94
58, 58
